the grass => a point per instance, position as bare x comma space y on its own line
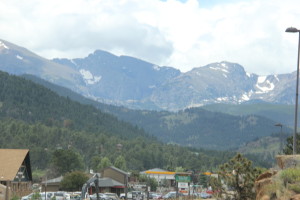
290, 176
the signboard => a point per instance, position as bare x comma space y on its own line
183, 185
180, 178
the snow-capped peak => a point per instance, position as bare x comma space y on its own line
224, 65
220, 67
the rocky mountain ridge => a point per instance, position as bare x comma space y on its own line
134, 83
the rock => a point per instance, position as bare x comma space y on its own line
267, 174
295, 197
265, 197
288, 161
261, 188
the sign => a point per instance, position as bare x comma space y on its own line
180, 178
183, 185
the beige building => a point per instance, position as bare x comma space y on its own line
15, 172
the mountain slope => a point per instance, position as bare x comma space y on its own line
131, 82
24, 100
191, 127
120, 79
34, 117
18, 60
280, 113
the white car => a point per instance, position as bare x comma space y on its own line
133, 194
101, 197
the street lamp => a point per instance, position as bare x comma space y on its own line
281, 138
294, 30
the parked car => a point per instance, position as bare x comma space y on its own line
41, 196
153, 195
27, 197
113, 196
205, 195
75, 196
48, 195
101, 197
61, 196
132, 195
172, 195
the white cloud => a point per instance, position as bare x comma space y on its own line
173, 33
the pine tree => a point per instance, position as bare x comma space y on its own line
239, 175
203, 180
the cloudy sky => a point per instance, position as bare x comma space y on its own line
180, 33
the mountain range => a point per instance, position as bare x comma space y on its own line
193, 127
134, 83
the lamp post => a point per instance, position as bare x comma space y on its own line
281, 138
294, 30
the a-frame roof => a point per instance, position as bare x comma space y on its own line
117, 169
10, 162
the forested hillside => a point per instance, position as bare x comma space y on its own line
36, 118
280, 113
194, 127
25, 100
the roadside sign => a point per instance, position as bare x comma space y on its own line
180, 178
183, 185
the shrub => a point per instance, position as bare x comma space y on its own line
291, 175
295, 188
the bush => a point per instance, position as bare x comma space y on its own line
294, 187
291, 175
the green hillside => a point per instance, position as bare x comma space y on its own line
34, 117
279, 113
195, 127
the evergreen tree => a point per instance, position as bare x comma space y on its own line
288, 150
105, 162
64, 161
203, 180
73, 181
120, 163
239, 175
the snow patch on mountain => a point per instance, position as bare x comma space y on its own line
88, 77
263, 85
261, 79
19, 57
219, 69
246, 96
73, 62
220, 99
156, 67
2, 45
224, 65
